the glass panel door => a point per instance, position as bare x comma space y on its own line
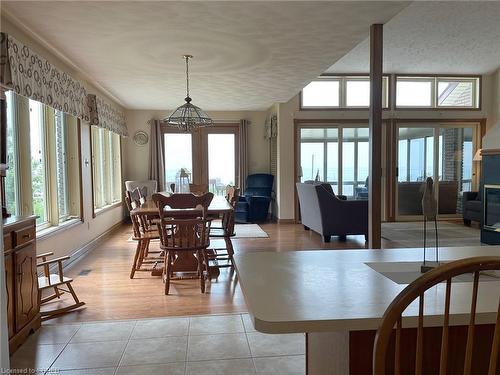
415, 163
443, 152
221, 162
355, 162
455, 168
178, 154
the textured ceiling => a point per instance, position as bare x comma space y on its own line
247, 55
435, 37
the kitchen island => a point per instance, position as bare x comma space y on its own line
338, 297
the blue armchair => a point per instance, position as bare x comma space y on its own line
253, 205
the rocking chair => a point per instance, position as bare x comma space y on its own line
55, 282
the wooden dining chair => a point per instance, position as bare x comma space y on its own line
382, 357
56, 282
198, 189
221, 257
185, 235
144, 259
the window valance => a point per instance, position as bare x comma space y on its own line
31, 75
105, 115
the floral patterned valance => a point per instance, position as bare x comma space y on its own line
106, 116
29, 74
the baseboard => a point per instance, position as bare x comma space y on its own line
286, 221
79, 253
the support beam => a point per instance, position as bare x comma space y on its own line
375, 183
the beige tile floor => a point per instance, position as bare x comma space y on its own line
204, 345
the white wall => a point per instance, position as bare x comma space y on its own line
137, 157
67, 241
492, 137
290, 111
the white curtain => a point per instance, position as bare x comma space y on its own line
4, 337
156, 155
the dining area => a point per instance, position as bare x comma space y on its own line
181, 235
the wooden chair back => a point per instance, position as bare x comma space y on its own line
416, 290
138, 222
198, 189
199, 204
232, 195
185, 234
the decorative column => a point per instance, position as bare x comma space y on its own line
375, 183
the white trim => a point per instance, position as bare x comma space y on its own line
4, 336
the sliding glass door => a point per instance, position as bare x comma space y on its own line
209, 155
441, 151
336, 154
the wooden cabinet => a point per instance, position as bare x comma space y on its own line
9, 278
23, 300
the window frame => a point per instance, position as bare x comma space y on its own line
477, 81
343, 79
111, 189
23, 178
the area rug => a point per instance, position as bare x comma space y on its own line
411, 234
241, 230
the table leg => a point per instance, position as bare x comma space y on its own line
327, 353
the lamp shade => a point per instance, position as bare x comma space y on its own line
478, 156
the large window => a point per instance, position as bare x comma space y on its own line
106, 167
43, 157
337, 155
38, 165
12, 176
341, 92
437, 92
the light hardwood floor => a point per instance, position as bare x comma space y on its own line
101, 278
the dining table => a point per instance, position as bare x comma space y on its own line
185, 262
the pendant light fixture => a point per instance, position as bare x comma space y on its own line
188, 117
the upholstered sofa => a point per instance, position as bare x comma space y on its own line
325, 213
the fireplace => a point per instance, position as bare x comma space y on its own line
492, 208
490, 187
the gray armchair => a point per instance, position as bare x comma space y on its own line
472, 207
325, 213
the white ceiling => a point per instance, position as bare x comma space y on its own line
247, 55
435, 37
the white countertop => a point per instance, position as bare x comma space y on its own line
334, 290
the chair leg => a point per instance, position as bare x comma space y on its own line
230, 250
343, 238
136, 257
71, 290
200, 270
167, 271
467, 222
326, 238
306, 227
